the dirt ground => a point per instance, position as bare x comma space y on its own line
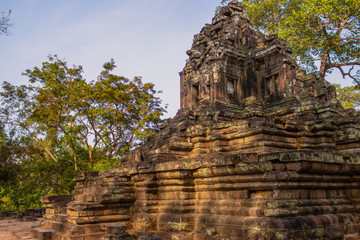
14, 230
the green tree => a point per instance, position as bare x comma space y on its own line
26, 173
348, 96
33, 175
8, 151
60, 124
327, 31
97, 121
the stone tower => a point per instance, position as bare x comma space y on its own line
258, 150
230, 61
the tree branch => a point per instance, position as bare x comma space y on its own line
5, 23
344, 74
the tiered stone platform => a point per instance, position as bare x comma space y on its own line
258, 150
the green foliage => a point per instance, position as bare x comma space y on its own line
8, 166
64, 124
103, 118
348, 96
27, 174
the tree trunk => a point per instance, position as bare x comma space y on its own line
91, 159
75, 162
323, 64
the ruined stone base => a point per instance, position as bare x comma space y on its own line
290, 195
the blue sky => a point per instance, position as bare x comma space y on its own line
146, 38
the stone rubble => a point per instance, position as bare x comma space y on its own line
258, 150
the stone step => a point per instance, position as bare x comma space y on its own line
116, 229
144, 237
120, 237
95, 236
57, 226
90, 206
61, 217
98, 212
99, 219
80, 206
354, 236
55, 208
101, 194
125, 187
63, 210
34, 231
105, 197
261, 212
42, 233
112, 225
71, 229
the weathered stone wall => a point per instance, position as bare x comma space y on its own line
293, 195
34, 213
289, 173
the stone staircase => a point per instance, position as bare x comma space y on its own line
98, 209
55, 218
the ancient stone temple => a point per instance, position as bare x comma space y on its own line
258, 150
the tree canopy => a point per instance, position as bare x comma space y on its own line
349, 96
60, 124
104, 118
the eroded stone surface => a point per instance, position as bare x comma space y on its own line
259, 150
